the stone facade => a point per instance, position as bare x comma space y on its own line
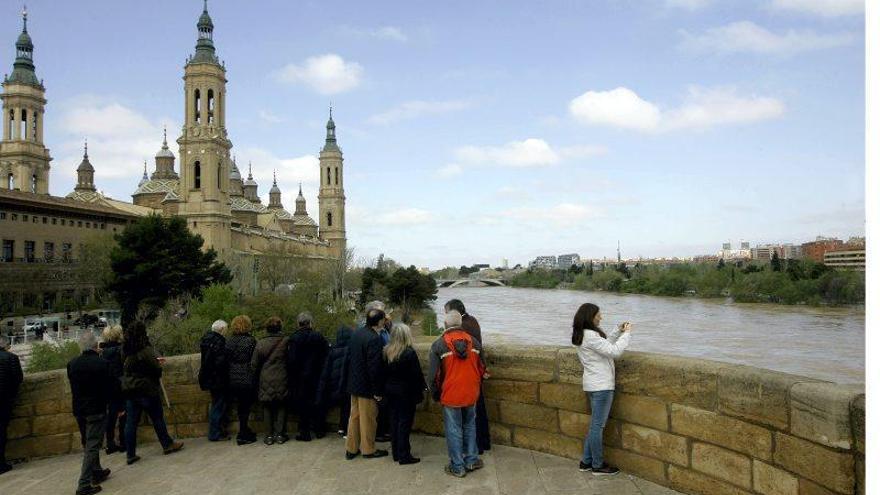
657, 433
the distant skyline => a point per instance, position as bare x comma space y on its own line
500, 129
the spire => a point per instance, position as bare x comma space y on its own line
330, 143
144, 178
85, 172
300, 203
205, 52
86, 149
23, 68
234, 174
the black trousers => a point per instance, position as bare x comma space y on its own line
91, 430
244, 401
115, 423
484, 440
344, 413
402, 413
5, 417
310, 417
383, 420
275, 418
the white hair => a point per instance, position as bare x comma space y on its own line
88, 341
304, 318
219, 326
452, 319
374, 305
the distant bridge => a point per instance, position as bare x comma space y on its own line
471, 282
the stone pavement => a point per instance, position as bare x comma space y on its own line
319, 467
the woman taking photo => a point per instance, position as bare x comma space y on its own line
597, 352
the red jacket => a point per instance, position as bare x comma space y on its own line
456, 368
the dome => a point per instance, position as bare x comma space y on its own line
24, 41
275, 189
164, 152
85, 165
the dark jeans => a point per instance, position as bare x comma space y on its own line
344, 413
114, 422
402, 412
383, 420
275, 417
153, 407
91, 429
461, 436
244, 401
484, 440
217, 415
5, 417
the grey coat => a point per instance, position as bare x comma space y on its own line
269, 363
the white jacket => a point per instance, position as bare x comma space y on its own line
597, 356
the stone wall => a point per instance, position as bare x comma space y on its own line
700, 427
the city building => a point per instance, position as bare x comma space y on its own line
544, 262
846, 259
727, 253
566, 261
815, 250
206, 188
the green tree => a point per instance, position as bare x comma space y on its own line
157, 259
775, 262
411, 290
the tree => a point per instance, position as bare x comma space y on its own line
775, 262
157, 259
92, 267
411, 290
720, 265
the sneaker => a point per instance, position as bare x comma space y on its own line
269, 440
174, 447
452, 472
5, 468
132, 460
349, 456
473, 467
375, 455
585, 468
100, 476
281, 439
245, 440
89, 491
409, 460
605, 470
341, 433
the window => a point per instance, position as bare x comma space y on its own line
198, 104
329, 219
2, 215
34, 183
54, 221
10, 181
79, 223
88, 225
337, 175
63, 221
45, 220
29, 251
66, 251
34, 127
15, 216
24, 218
197, 175
8, 250
11, 124
210, 106
34, 219
328, 176
49, 251
22, 130
103, 226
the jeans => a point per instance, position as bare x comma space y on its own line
344, 413
461, 436
217, 416
115, 407
153, 407
402, 411
92, 430
275, 417
5, 417
600, 407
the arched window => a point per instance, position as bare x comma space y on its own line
210, 106
328, 176
219, 175
337, 175
10, 181
197, 175
329, 219
34, 183
22, 130
198, 105
34, 126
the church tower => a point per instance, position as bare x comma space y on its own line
204, 145
24, 160
331, 195
85, 173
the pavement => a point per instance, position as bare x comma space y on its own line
319, 467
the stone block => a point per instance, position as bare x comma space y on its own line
688, 481
525, 392
807, 487
525, 363
564, 396
857, 414
500, 434
42, 446
53, 406
769, 480
831, 469
551, 443
722, 464
529, 415
657, 444
187, 394
54, 424
429, 423
193, 430
45, 385
644, 411
668, 378
493, 410
820, 412
187, 413
758, 395
639, 465
721, 430
577, 425
18, 428
568, 365
21, 410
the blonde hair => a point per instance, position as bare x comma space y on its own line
112, 334
241, 325
401, 339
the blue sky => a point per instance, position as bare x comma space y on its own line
476, 131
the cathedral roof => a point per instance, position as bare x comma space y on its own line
240, 203
152, 186
164, 152
23, 68
85, 165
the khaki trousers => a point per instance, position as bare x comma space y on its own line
362, 425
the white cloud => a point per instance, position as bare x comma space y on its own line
390, 33
417, 108
562, 214
450, 170
531, 152
688, 4
702, 108
825, 8
291, 172
405, 216
326, 74
269, 117
748, 37
511, 192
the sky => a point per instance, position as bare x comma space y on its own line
500, 129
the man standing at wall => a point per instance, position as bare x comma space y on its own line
10, 380
91, 386
214, 377
365, 386
456, 371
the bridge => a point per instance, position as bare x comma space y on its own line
471, 282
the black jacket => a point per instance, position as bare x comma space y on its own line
10, 377
404, 378
365, 363
140, 374
112, 353
213, 373
306, 353
91, 384
332, 387
239, 351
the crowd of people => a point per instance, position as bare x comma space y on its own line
372, 374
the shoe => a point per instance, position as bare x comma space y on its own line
341, 433
409, 460
5, 468
303, 437
473, 467
112, 449
219, 439
452, 472
584, 468
132, 460
349, 456
174, 447
605, 470
99, 476
375, 455
245, 440
269, 440
383, 438
281, 439
89, 491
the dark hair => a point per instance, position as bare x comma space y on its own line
584, 319
135, 338
374, 317
273, 325
457, 305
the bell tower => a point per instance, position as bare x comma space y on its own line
24, 160
331, 195
204, 145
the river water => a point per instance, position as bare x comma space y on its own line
819, 342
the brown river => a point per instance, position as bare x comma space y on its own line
819, 342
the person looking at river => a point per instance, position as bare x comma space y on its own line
470, 325
597, 352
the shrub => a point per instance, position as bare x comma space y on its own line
47, 356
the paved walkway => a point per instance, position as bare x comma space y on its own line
319, 467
